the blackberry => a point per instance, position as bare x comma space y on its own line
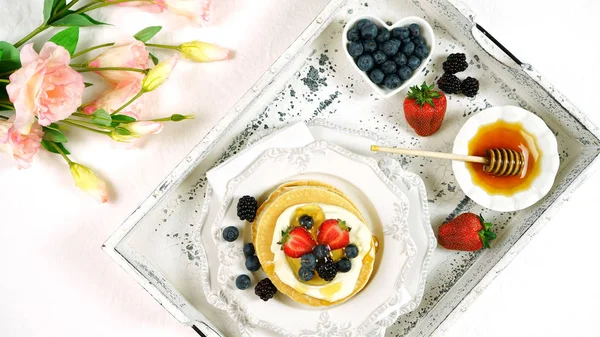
243, 282
230, 233
327, 269
369, 46
470, 87
377, 76
455, 63
343, 265
449, 84
249, 249
265, 289
379, 57
246, 208
383, 35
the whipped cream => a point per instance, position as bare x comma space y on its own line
344, 283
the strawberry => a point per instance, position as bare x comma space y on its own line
424, 109
334, 233
296, 241
467, 232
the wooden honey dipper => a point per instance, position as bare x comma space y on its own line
499, 162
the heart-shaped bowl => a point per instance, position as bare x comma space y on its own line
426, 34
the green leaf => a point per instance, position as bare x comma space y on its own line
48, 146
10, 59
177, 117
88, 84
122, 131
53, 126
58, 5
122, 119
78, 20
101, 117
94, 21
67, 38
48, 5
54, 135
1, 52
154, 59
147, 33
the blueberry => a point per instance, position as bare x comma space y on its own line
362, 22
242, 282
365, 62
400, 59
355, 49
343, 265
308, 261
391, 47
306, 221
413, 62
351, 251
230, 234
408, 48
252, 263
414, 29
369, 46
383, 35
321, 252
376, 76
400, 33
306, 274
405, 73
353, 34
392, 81
389, 67
418, 41
406, 40
368, 31
421, 51
379, 57
249, 249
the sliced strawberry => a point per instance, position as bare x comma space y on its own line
334, 233
296, 241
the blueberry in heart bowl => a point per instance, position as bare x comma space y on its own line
388, 57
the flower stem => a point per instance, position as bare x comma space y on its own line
83, 127
9, 107
57, 148
28, 37
82, 115
165, 46
91, 7
3, 117
66, 8
4, 81
129, 102
92, 48
86, 69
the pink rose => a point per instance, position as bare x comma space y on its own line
45, 87
20, 147
128, 53
195, 10
114, 98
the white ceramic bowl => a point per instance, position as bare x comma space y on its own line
426, 33
545, 140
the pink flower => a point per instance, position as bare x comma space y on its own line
128, 53
114, 98
195, 10
20, 147
45, 87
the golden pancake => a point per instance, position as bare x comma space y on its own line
263, 228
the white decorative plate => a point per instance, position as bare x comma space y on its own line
382, 203
545, 140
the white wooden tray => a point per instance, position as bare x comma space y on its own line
313, 79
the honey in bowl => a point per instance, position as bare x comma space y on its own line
502, 134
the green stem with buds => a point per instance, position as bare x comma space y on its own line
101, 4
128, 102
9, 107
86, 69
91, 48
164, 46
70, 122
4, 80
57, 148
29, 36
